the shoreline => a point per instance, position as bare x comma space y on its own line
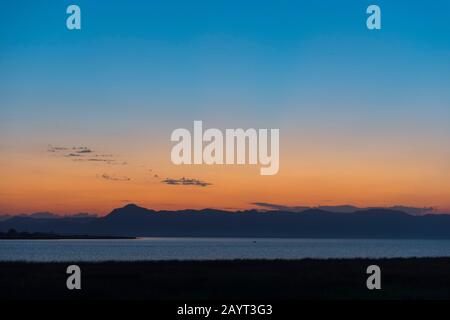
263, 260
51, 236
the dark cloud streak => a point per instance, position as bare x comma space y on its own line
185, 182
343, 208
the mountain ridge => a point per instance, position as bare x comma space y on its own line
133, 220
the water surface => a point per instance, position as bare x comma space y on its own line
216, 248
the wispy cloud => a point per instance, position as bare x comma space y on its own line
104, 155
273, 206
114, 178
82, 150
186, 182
84, 154
107, 161
51, 148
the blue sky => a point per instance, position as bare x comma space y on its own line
188, 56
137, 70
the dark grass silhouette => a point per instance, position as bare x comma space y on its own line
413, 278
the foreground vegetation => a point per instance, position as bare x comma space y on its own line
421, 278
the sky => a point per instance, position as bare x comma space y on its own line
86, 115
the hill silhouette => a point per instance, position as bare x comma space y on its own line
132, 220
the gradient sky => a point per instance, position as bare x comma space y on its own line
364, 116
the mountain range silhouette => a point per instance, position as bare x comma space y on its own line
134, 221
